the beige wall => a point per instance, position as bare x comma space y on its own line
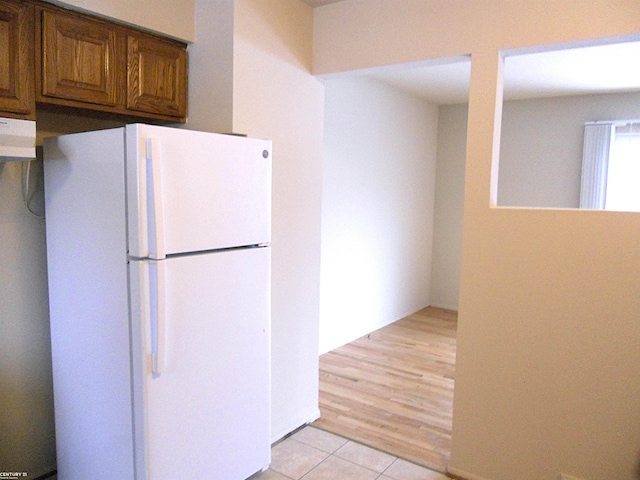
546, 377
174, 18
275, 96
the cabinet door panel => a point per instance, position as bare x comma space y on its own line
16, 58
157, 77
78, 59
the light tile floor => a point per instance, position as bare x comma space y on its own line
313, 454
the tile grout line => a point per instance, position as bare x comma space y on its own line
346, 441
315, 466
390, 465
379, 474
334, 454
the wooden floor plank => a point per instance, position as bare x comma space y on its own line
393, 389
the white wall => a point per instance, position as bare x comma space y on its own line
541, 146
275, 96
26, 396
174, 18
547, 376
449, 199
377, 207
26, 390
211, 68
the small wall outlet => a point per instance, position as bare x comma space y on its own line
564, 476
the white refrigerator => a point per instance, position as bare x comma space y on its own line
159, 287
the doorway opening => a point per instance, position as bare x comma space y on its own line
393, 188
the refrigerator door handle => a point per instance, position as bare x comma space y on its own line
155, 207
157, 319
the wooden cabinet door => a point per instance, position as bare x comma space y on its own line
16, 59
156, 76
78, 59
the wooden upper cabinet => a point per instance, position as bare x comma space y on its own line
93, 64
52, 56
156, 76
16, 60
78, 59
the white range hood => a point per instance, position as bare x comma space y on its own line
17, 140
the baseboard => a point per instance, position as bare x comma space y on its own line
43, 473
444, 306
458, 474
294, 426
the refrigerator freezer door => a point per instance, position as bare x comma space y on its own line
206, 413
194, 191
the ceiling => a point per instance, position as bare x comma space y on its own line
575, 71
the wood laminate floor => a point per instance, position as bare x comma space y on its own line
393, 389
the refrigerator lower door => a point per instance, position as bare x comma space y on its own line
205, 413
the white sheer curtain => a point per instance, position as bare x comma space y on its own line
598, 138
623, 171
